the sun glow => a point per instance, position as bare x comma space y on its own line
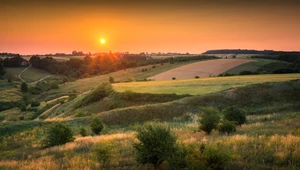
102, 41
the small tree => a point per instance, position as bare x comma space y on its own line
196, 77
156, 144
96, 125
23, 107
58, 134
174, 78
235, 114
83, 132
24, 87
227, 127
35, 104
209, 119
111, 79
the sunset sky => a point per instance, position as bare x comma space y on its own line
31, 27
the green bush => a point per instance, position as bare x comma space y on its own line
235, 114
102, 153
35, 104
227, 127
173, 78
196, 77
111, 80
80, 114
216, 158
58, 134
96, 125
23, 107
24, 87
83, 132
156, 144
210, 118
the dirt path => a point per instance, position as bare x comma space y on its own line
202, 69
20, 77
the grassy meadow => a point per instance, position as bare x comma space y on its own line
30, 75
200, 86
270, 138
268, 141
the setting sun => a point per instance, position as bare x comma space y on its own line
102, 41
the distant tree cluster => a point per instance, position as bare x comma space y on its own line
2, 71
239, 51
17, 61
9, 55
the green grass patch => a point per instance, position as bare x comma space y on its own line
33, 74
201, 86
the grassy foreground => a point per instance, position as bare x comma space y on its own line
201, 86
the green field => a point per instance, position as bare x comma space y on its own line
15, 71
33, 74
30, 75
254, 66
201, 86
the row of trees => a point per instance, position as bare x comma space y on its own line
2, 71
17, 61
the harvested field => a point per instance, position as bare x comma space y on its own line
202, 69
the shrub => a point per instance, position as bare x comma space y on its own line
156, 144
173, 78
54, 85
235, 114
79, 114
96, 125
196, 77
153, 67
103, 152
111, 79
83, 132
35, 104
58, 134
209, 119
24, 87
216, 158
21, 117
23, 107
227, 127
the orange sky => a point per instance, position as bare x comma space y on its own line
169, 26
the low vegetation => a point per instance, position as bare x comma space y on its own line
201, 86
242, 122
58, 134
